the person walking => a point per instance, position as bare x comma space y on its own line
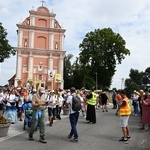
141, 96
11, 110
146, 112
118, 100
125, 111
135, 97
52, 107
73, 116
114, 99
60, 100
104, 99
38, 104
91, 102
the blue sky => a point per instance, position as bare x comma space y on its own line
129, 18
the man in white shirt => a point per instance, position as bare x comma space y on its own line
73, 116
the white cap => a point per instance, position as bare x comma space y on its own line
42, 90
34, 90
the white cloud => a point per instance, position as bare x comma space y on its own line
128, 17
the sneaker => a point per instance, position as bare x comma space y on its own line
42, 140
31, 137
106, 110
69, 136
129, 138
123, 139
103, 110
74, 140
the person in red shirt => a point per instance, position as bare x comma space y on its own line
118, 100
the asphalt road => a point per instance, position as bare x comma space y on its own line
103, 135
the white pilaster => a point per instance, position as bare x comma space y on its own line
61, 64
18, 69
50, 67
32, 20
50, 64
61, 41
51, 41
51, 22
20, 33
30, 67
31, 37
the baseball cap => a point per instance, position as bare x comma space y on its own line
42, 90
72, 89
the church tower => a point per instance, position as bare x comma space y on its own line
40, 51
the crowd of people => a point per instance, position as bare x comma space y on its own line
12, 107
139, 104
12, 103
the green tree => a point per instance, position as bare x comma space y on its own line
81, 76
101, 50
5, 49
68, 71
146, 79
130, 86
136, 76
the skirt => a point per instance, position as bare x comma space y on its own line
11, 113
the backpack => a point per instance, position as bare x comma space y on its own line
76, 103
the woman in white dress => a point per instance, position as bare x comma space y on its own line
11, 111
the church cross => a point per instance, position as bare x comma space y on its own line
42, 2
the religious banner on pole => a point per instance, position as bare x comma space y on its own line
58, 78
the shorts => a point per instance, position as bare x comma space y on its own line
20, 109
51, 111
104, 102
124, 121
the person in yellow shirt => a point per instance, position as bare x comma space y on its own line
91, 102
125, 112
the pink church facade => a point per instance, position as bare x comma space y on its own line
40, 51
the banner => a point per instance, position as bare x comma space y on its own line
39, 85
58, 78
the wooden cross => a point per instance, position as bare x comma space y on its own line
43, 2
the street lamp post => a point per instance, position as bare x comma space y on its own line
96, 80
122, 80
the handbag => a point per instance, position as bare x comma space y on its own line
12, 103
